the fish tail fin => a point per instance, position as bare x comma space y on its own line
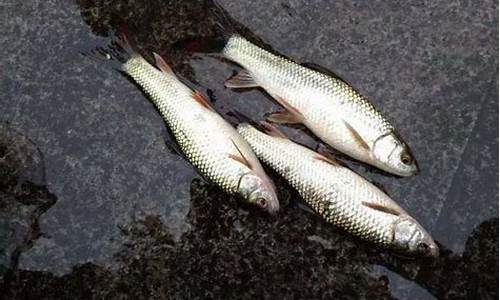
117, 52
225, 25
224, 29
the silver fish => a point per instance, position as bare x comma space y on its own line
339, 195
209, 142
324, 103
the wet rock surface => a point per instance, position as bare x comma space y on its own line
94, 204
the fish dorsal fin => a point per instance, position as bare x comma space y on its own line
198, 97
323, 70
162, 65
241, 157
243, 79
356, 136
381, 208
281, 117
272, 130
325, 159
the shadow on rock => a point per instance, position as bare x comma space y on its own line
163, 27
235, 252
470, 275
152, 25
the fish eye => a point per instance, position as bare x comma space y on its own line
406, 159
422, 247
261, 202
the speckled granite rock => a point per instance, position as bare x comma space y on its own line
108, 211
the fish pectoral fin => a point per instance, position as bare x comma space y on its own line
198, 97
243, 79
240, 157
328, 160
356, 136
272, 130
305, 207
173, 147
162, 65
283, 117
381, 208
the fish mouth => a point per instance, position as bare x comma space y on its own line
272, 207
414, 169
411, 172
433, 251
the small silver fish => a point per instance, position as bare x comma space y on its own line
209, 142
324, 103
339, 195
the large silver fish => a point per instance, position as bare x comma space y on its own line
339, 195
324, 103
205, 138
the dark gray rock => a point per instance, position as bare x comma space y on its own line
108, 211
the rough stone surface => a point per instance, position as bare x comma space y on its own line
94, 204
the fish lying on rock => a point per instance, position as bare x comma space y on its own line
209, 142
330, 107
339, 195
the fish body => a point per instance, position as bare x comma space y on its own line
327, 105
210, 143
339, 195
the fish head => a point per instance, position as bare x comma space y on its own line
394, 156
259, 191
411, 238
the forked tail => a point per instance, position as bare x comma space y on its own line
116, 53
225, 28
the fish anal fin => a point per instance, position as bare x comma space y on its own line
356, 136
283, 117
325, 159
381, 208
272, 130
241, 157
162, 65
241, 80
198, 96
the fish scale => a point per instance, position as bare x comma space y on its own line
327, 105
323, 187
201, 134
336, 193
295, 78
